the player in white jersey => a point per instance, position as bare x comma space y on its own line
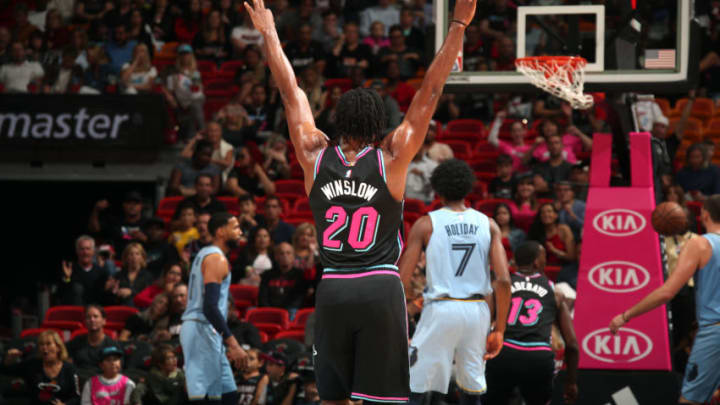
461, 244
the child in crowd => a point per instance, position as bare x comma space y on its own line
248, 217
186, 231
166, 382
111, 387
251, 383
282, 386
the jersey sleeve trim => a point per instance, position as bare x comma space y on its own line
381, 164
317, 163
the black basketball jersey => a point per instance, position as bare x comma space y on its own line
532, 309
358, 221
246, 388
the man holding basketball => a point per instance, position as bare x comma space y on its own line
699, 259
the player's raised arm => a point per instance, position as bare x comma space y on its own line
306, 138
501, 290
405, 141
417, 239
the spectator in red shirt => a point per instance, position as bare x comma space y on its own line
402, 92
187, 26
173, 273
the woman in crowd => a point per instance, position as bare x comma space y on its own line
305, 243
144, 324
312, 84
276, 162
161, 21
139, 31
248, 177
133, 277
512, 237
172, 274
525, 201
255, 258
326, 119
558, 241
49, 377
212, 42
377, 39
517, 148
139, 75
185, 93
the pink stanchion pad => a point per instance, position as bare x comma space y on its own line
620, 263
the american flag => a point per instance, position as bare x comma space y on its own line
659, 59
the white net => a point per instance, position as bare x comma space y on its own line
562, 77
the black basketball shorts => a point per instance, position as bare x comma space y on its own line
531, 371
361, 342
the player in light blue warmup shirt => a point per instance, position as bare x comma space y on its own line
208, 375
700, 258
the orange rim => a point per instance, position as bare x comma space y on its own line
572, 61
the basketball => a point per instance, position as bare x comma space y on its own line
669, 219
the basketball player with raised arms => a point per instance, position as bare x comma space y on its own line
700, 259
461, 244
355, 180
208, 375
527, 360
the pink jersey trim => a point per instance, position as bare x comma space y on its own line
528, 349
380, 398
365, 274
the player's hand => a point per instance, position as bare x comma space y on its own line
571, 393
464, 11
237, 356
493, 346
261, 17
617, 323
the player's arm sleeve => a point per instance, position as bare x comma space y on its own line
211, 309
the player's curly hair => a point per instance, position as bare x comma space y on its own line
359, 115
452, 179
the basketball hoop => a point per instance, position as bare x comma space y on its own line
561, 76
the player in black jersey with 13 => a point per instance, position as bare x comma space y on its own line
527, 360
356, 181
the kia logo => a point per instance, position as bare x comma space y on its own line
627, 346
619, 276
619, 222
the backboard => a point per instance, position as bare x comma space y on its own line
642, 49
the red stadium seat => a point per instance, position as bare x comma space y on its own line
244, 293
116, 326
301, 318
232, 66
81, 332
413, 205
487, 207
296, 171
263, 337
36, 331
230, 203
466, 126
169, 203
74, 313
301, 205
344, 84
206, 66
482, 164
119, 313
461, 149
270, 329
277, 316
298, 335
63, 325
551, 272
290, 187
290, 198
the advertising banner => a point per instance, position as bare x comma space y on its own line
620, 263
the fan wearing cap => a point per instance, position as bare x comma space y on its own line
283, 384
119, 231
185, 93
111, 387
